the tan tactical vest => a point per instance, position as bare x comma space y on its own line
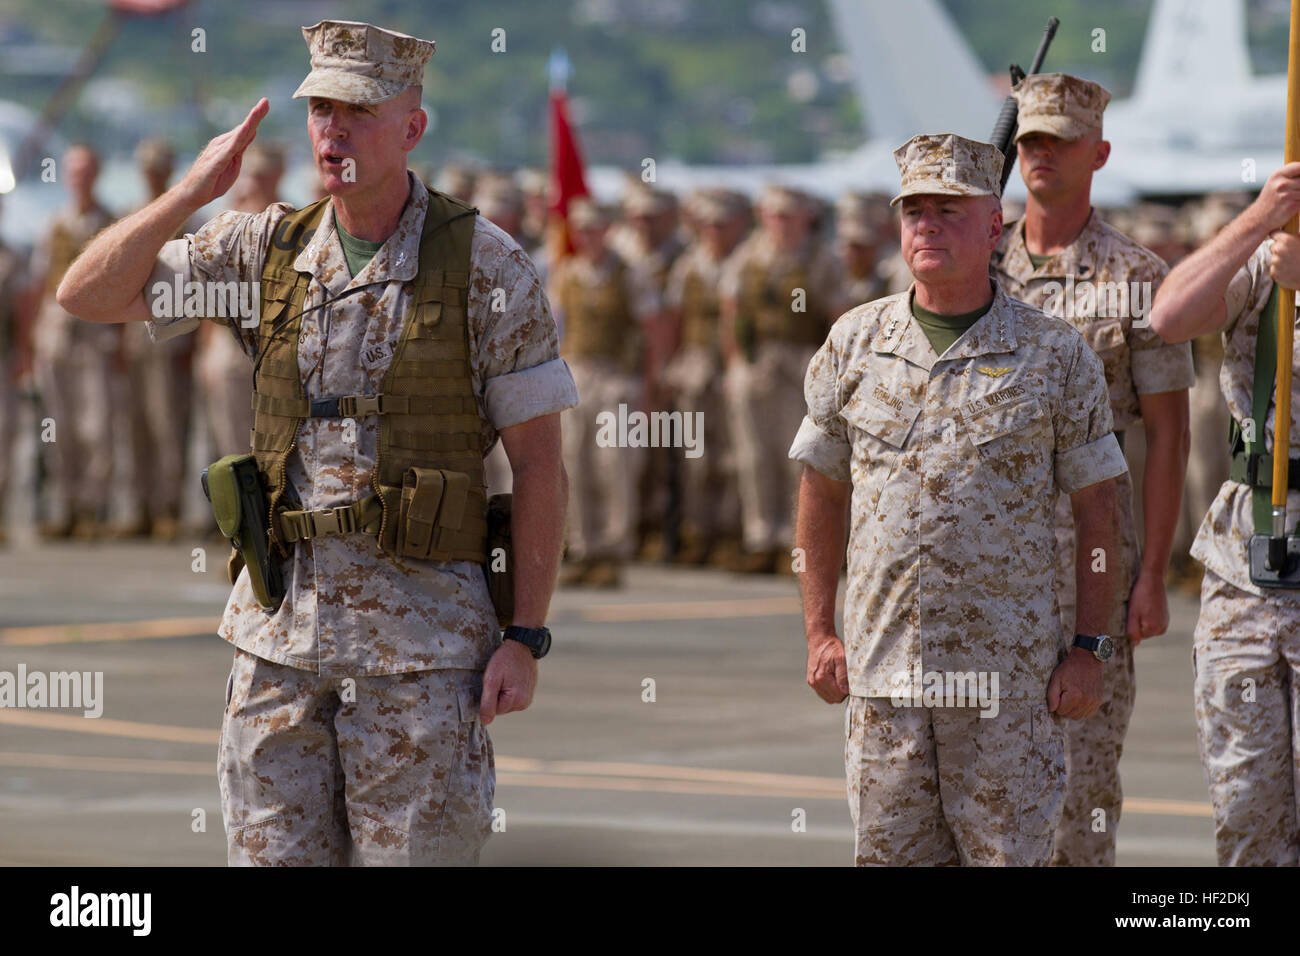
428, 479
64, 249
700, 311
598, 322
766, 295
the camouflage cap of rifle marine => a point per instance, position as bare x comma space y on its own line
1059, 104
946, 164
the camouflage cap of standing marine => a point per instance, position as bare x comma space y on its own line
1059, 104
946, 164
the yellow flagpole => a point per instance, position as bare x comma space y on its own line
1286, 297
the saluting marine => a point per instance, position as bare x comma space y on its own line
354, 724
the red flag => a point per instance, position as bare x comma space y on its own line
567, 180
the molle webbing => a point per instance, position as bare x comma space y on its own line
428, 419
700, 310
766, 297
597, 320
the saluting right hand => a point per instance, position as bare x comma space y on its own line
828, 674
217, 167
1279, 200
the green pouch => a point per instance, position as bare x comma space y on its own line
233, 487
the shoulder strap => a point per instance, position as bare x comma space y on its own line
1261, 395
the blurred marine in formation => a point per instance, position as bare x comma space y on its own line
605, 306
158, 390
356, 706
1246, 647
942, 426
1063, 259
710, 523
13, 300
72, 362
780, 290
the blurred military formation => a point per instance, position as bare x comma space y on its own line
711, 302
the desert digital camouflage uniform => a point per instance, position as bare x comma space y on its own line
694, 378
72, 365
1137, 362
949, 463
12, 273
603, 306
351, 611
414, 764
1246, 649
763, 381
956, 464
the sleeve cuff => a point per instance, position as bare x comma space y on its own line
530, 393
815, 448
1167, 368
170, 268
1088, 464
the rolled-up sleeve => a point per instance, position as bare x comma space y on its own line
229, 248
1086, 448
822, 440
516, 346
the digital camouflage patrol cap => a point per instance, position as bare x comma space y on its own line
359, 63
1059, 104
946, 164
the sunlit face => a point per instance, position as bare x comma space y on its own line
1052, 166
358, 147
949, 238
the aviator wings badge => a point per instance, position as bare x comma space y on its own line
995, 372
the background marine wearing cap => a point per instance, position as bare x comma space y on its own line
352, 729
1062, 249
942, 425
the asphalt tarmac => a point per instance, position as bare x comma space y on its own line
720, 767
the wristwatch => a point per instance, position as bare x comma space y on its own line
1101, 645
536, 639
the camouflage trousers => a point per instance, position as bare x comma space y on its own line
1246, 661
390, 770
76, 391
946, 787
1094, 746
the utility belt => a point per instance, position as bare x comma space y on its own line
433, 502
1257, 471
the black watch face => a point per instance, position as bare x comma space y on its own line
1105, 648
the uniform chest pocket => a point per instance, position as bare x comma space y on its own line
988, 426
888, 425
878, 433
